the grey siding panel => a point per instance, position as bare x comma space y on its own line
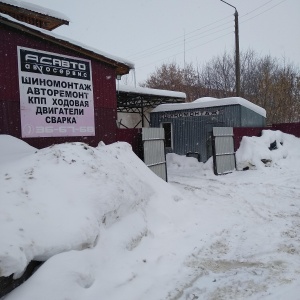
224, 156
251, 119
192, 127
224, 145
225, 164
154, 150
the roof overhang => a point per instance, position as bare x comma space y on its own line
21, 13
122, 68
137, 100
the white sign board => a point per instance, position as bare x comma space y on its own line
56, 94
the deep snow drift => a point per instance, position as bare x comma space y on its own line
110, 229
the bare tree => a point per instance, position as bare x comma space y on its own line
265, 81
168, 76
172, 77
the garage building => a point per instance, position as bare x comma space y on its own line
188, 126
53, 89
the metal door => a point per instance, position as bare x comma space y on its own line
154, 151
223, 150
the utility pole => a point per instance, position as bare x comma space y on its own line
184, 49
237, 51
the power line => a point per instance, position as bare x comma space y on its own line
264, 11
197, 37
179, 53
257, 8
180, 38
169, 47
161, 48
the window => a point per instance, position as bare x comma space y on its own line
168, 134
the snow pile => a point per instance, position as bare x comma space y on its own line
111, 229
12, 149
56, 199
267, 150
175, 161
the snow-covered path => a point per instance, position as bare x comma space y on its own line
256, 252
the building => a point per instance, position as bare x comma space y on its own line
53, 89
136, 103
188, 126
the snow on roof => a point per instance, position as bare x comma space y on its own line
36, 8
76, 43
148, 91
211, 102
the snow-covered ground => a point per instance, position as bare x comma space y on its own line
110, 229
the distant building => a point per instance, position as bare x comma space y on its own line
188, 126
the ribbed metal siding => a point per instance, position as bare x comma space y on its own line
225, 164
190, 134
154, 151
250, 118
224, 141
224, 156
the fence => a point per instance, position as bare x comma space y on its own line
132, 136
239, 132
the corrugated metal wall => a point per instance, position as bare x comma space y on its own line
250, 118
290, 128
223, 153
192, 131
104, 90
154, 151
239, 132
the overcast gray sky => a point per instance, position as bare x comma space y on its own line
151, 32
